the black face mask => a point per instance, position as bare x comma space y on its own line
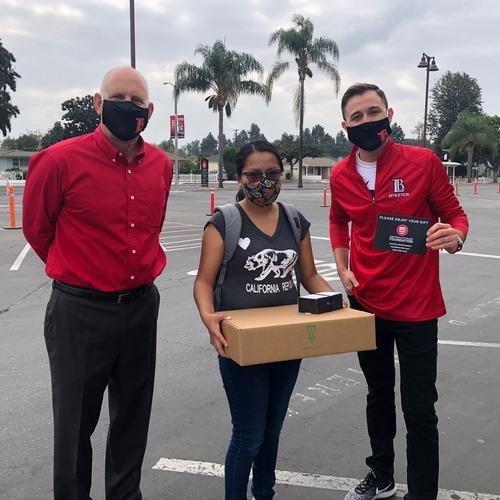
124, 119
370, 135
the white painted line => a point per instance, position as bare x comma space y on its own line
182, 241
305, 480
174, 231
320, 238
180, 223
469, 344
181, 236
483, 255
20, 258
354, 371
170, 250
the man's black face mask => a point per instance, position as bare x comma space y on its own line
370, 135
124, 119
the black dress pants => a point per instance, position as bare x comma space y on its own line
94, 345
416, 344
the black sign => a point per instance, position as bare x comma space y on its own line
401, 234
204, 172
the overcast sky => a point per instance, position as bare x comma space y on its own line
64, 47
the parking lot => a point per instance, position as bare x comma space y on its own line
324, 440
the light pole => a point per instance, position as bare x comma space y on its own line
132, 33
429, 63
176, 159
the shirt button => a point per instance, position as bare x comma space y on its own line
120, 154
132, 224
132, 277
133, 251
129, 171
114, 160
132, 197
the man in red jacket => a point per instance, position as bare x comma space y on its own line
93, 209
402, 211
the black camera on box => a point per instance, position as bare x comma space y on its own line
320, 302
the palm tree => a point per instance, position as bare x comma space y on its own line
299, 42
225, 75
471, 131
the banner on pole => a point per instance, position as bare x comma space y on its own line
180, 126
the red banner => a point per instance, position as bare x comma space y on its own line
180, 126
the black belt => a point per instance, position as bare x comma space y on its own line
116, 297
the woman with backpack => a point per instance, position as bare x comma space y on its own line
259, 274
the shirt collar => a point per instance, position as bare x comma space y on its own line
380, 160
110, 150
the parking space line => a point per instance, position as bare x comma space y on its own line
163, 240
175, 249
304, 479
469, 344
17, 263
180, 236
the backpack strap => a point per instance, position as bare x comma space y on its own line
232, 230
293, 218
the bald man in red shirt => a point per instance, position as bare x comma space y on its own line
94, 207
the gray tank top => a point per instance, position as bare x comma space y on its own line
260, 274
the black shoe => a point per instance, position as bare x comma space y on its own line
371, 489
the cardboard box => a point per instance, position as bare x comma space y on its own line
268, 334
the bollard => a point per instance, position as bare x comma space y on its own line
325, 197
12, 208
211, 207
474, 186
456, 188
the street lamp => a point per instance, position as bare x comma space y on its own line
429, 63
176, 160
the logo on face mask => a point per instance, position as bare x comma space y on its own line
140, 125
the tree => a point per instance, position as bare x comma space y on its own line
397, 133
451, 95
167, 145
193, 147
342, 146
7, 81
208, 145
30, 141
254, 133
54, 135
324, 141
494, 121
241, 138
224, 73
299, 42
471, 132
79, 116
230, 153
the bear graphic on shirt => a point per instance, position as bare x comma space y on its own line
279, 262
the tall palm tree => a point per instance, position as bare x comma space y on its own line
225, 75
471, 131
298, 41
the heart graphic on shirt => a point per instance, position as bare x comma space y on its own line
244, 242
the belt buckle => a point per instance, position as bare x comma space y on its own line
122, 297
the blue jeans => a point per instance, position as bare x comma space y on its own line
258, 398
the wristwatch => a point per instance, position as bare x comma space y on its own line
460, 244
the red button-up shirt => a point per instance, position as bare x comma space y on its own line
93, 217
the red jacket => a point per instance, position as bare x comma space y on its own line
394, 286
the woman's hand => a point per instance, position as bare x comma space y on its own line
213, 321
